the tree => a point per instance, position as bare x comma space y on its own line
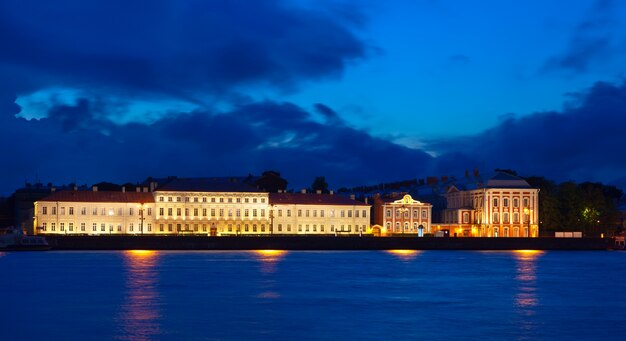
320, 184
550, 217
271, 181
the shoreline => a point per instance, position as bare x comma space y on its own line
322, 243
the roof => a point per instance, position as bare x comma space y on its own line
222, 184
100, 196
312, 199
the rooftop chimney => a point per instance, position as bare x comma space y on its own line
352, 196
138, 189
53, 189
332, 192
123, 189
319, 191
303, 191
95, 188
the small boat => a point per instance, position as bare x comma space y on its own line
12, 239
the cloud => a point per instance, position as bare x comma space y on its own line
73, 144
184, 49
580, 142
592, 42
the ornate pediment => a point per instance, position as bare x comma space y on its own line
407, 200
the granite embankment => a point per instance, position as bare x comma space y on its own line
321, 243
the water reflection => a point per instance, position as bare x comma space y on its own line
139, 316
526, 298
269, 259
404, 255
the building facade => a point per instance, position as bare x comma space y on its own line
318, 214
403, 215
214, 207
503, 206
94, 212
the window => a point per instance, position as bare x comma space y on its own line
263, 200
161, 211
130, 211
415, 214
496, 218
246, 212
288, 227
495, 202
221, 199
465, 217
299, 213
288, 213
103, 227
262, 213
515, 217
321, 228
94, 227
195, 211
230, 212
343, 214
83, 211
262, 227
94, 211
306, 213
515, 202
186, 212
161, 198
179, 212
253, 227
505, 217
149, 227
525, 202
238, 212
70, 226
82, 227
177, 199
44, 226
221, 212
169, 227
280, 227
322, 213
254, 212
53, 227
212, 212
149, 210
230, 200
204, 212
350, 214
169, 211
130, 227
254, 200
119, 227
203, 227
71, 210
119, 211
364, 213
160, 227
424, 214
44, 210
62, 212
169, 199
246, 228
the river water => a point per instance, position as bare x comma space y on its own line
278, 295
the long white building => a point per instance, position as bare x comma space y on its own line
204, 206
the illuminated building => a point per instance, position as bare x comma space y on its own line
301, 213
95, 212
503, 206
401, 216
214, 206
205, 206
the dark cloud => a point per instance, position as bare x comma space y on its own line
591, 42
180, 48
581, 142
73, 144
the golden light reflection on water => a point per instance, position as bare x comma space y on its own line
404, 255
139, 314
526, 298
269, 259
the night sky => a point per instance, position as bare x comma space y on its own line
360, 92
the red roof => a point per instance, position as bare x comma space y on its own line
312, 199
100, 196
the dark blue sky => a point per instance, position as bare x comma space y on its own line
120, 90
